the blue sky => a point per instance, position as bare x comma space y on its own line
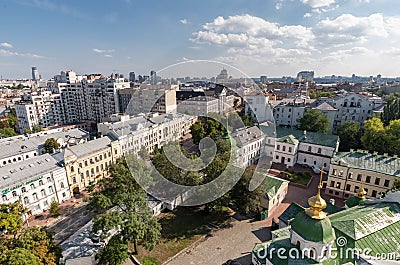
260, 37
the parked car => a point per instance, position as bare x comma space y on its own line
316, 169
232, 262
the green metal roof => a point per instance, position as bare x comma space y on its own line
375, 226
291, 212
288, 139
313, 230
363, 220
367, 161
272, 186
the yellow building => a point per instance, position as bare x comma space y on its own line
86, 163
350, 169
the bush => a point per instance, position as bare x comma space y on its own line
150, 261
54, 209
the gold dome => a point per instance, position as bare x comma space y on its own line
317, 203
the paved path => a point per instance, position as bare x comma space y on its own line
229, 243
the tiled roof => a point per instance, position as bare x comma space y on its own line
367, 161
288, 139
325, 106
291, 212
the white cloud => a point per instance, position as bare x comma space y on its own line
108, 55
278, 6
306, 15
318, 3
184, 21
5, 45
102, 51
27, 55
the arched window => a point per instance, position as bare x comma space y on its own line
72, 169
26, 200
62, 185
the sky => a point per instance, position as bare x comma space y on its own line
259, 37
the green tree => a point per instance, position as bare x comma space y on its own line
143, 154
197, 131
36, 128
314, 120
12, 118
7, 132
374, 137
27, 131
130, 212
247, 201
54, 209
116, 252
392, 109
350, 136
10, 218
51, 145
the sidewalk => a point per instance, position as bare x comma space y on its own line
66, 208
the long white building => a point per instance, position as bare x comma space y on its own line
147, 130
36, 182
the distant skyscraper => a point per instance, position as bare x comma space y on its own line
153, 77
35, 73
263, 79
132, 77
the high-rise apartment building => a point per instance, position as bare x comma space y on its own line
35, 73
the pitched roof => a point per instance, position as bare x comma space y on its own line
82, 150
272, 185
309, 137
244, 136
325, 106
291, 212
288, 139
367, 161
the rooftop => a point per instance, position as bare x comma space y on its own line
244, 136
373, 162
25, 170
82, 150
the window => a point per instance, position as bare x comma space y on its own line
14, 194
4, 197
62, 184
48, 179
290, 149
283, 148
32, 186
348, 186
26, 200
356, 188
368, 180
387, 182
23, 189
35, 197
51, 189
334, 172
277, 157
64, 195
338, 185
288, 159
319, 150
330, 191
374, 193
377, 181
359, 177
40, 182
43, 193
309, 149
278, 147
74, 180
332, 184
350, 175
305, 160
72, 169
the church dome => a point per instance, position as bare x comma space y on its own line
313, 230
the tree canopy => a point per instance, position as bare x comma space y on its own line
392, 110
32, 245
51, 145
314, 120
350, 136
121, 204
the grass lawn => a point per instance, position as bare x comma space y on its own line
180, 229
299, 177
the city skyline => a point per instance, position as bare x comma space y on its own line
273, 38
